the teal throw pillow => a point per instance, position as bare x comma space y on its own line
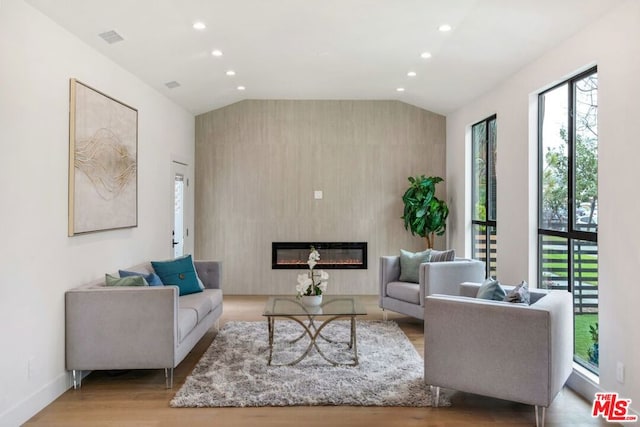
178, 272
152, 278
491, 290
410, 264
519, 294
110, 280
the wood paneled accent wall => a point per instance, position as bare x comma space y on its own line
258, 163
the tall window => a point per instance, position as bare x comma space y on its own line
568, 203
483, 198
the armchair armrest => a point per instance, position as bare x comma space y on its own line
445, 277
389, 272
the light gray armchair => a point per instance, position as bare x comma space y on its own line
515, 352
434, 278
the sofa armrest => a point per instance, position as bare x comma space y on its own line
210, 273
445, 277
511, 351
121, 328
389, 272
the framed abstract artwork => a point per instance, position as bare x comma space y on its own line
103, 161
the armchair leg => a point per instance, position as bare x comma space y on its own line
435, 395
385, 317
168, 377
540, 414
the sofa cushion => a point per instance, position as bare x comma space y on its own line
152, 278
202, 303
409, 292
491, 290
442, 256
110, 280
410, 264
187, 320
519, 294
178, 272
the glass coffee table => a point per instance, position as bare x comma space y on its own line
313, 321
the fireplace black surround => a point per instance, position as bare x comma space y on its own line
333, 255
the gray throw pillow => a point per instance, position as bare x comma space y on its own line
410, 264
519, 294
124, 281
443, 256
491, 290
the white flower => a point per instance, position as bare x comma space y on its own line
307, 284
304, 280
314, 257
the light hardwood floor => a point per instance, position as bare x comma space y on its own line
139, 398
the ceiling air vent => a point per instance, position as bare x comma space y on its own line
111, 37
172, 84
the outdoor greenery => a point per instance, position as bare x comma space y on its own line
584, 338
424, 214
556, 159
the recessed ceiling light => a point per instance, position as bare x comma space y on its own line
444, 28
216, 52
241, 88
172, 84
231, 73
425, 55
199, 25
400, 89
411, 74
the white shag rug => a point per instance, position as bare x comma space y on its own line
233, 372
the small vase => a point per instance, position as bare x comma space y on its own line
312, 300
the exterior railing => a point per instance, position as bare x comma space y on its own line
555, 274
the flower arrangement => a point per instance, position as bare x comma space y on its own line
313, 282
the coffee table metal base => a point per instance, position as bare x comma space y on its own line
314, 333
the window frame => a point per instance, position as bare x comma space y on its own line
487, 222
572, 235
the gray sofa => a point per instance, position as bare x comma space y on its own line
434, 278
150, 327
516, 352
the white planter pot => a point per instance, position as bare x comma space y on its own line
312, 300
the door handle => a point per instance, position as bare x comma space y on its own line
173, 242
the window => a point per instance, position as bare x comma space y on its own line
568, 203
483, 197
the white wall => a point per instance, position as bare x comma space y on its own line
38, 261
612, 44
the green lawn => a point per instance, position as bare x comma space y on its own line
582, 336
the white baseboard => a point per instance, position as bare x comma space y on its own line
585, 384
28, 407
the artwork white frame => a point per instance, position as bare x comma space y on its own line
103, 161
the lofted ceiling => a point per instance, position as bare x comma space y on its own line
324, 49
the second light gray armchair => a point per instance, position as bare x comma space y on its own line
434, 278
517, 352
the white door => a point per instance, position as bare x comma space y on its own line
180, 223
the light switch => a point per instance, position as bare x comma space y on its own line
317, 194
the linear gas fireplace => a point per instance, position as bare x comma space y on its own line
333, 255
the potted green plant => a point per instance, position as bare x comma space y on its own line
424, 214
